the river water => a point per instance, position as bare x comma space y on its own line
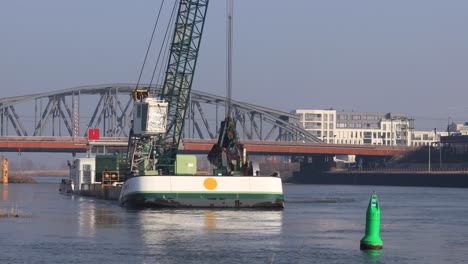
320, 224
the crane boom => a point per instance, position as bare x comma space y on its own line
179, 75
151, 152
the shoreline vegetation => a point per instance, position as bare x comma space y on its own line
26, 176
21, 179
40, 173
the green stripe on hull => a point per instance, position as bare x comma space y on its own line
198, 195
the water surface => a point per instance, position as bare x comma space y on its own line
320, 224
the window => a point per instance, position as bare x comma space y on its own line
313, 117
316, 133
308, 125
138, 111
87, 171
312, 125
301, 116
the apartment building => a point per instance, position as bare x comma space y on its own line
375, 128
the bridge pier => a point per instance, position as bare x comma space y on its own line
314, 167
312, 164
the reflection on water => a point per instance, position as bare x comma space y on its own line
210, 219
86, 217
212, 233
4, 192
372, 256
191, 222
92, 216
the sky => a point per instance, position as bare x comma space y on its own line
378, 56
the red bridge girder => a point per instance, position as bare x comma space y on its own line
298, 148
81, 144
43, 144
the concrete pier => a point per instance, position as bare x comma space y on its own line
427, 179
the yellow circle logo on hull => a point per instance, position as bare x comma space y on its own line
210, 183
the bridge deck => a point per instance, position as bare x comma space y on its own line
299, 148
81, 144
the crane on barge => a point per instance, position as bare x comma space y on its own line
154, 177
158, 124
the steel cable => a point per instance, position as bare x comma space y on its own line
149, 45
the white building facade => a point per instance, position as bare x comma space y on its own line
370, 128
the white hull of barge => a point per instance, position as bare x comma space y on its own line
203, 191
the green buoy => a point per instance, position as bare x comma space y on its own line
372, 241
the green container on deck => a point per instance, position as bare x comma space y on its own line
186, 165
105, 163
143, 169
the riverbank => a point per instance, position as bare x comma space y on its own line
40, 173
21, 179
421, 179
27, 175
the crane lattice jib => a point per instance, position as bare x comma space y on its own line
179, 75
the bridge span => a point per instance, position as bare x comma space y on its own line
198, 146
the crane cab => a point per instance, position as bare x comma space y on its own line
150, 117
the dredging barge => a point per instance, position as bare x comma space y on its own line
155, 174
91, 177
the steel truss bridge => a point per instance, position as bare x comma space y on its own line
70, 112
